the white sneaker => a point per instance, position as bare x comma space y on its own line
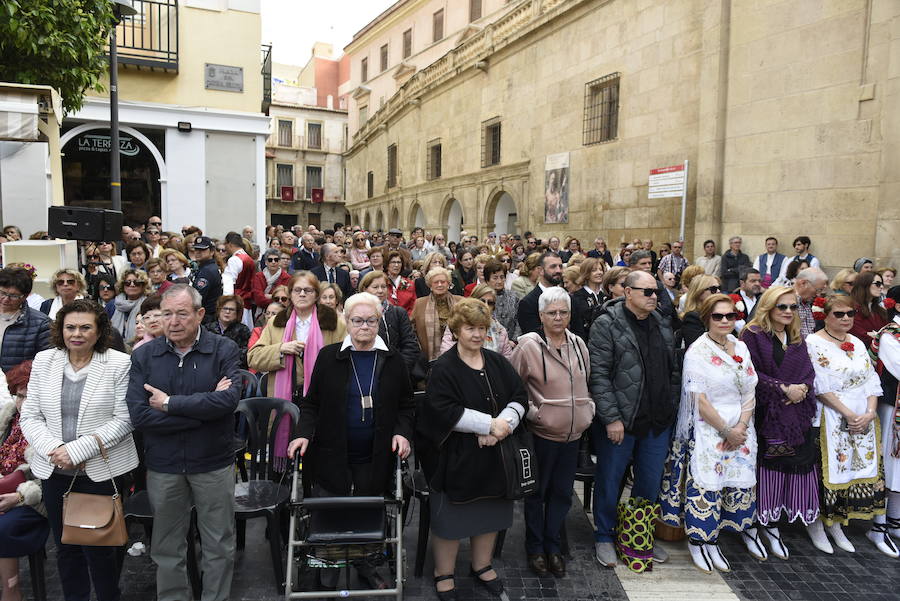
701, 559
882, 540
893, 525
751, 540
715, 554
840, 539
773, 537
819, 539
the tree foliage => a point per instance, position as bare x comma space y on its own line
59, 43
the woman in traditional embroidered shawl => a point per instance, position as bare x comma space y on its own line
710, 480
848, 389
786, 404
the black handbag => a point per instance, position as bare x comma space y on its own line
519, 463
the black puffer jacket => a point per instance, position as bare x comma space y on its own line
617, 370
23, 339
396, 331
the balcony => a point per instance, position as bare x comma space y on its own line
267, 77
149, 39
297, 143
300, 193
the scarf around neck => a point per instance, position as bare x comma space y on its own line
271, 278
125, 317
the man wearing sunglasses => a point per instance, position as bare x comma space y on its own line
635, 384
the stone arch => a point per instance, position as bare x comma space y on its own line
379, 220
452, 218
416, 216
395, 218
367, 221
501, 212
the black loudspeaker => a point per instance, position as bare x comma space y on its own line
78, 223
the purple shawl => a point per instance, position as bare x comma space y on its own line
781, 422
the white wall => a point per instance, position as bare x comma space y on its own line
186, 202
23, 185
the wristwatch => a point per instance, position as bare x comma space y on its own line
165, 405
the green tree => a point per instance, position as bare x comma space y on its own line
59, 43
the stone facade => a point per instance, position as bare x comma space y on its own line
788, 112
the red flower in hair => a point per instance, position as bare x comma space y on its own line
737, 359
889, 303
847, 346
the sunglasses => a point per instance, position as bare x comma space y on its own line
784, 307
490, 303
843, 314
724, 316
714, 289
156, 223
106, 287
65, 282
272, 260
878, 284
648, 292
280, 299
133, 283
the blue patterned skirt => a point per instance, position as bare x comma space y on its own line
702, 513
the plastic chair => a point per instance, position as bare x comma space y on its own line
264, 494
249, 384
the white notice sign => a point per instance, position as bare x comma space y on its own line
667, 182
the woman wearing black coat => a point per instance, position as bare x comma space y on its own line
395, 328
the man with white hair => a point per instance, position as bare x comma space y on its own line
306, 258
329, 271
809, 283
248, 232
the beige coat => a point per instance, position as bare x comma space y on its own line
265, 355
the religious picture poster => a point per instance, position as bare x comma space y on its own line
556, 188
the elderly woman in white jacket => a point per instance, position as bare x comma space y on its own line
76, 402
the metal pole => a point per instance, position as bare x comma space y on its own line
115, 184
683, 201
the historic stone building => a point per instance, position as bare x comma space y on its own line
548, 115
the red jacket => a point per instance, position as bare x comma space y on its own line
404, 296
243, 287
259, 287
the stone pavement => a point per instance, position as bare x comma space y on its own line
807, 576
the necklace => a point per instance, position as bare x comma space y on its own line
782, 339
835, 337
365, 400
8, 317
723, 345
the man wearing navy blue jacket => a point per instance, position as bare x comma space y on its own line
182, 395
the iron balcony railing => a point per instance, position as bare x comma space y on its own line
266, 77
149, 39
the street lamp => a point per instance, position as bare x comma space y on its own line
121, 8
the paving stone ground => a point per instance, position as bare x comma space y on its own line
807, 576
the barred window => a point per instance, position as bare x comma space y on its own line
313, 179
392, 166
601, 109
474, 10
490, 142
433, 160
370, 184
437, 22
407, 43
384, 57
364, 70
285, 132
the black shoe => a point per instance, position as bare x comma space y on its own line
495, 586
538, 564
557, 565
445, 595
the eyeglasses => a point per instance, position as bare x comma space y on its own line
784, 307
273, 259
648, 292
12, 297
304, 290
280, 299
557, 314
228, 310
221, 250
714, 289
133, 283
358, 322
843, 314
724, 316
153, 232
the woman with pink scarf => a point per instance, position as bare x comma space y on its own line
290, 343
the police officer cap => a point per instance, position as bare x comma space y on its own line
202, 243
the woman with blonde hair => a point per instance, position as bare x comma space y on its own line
526, 281
843, 280
433, 259
614, 282
430, 314
359, 254
570, 278
177, 266
689, 273
68, 285
788, 483
701, 288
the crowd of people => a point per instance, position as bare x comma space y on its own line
739, 394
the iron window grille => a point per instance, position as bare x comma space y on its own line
392, 166
370, 184
433, 160
490, 142
407, 43
601, 109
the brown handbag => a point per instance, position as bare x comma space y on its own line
94, 520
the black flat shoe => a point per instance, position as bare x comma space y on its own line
538, 564
556, 565
495, 586
445, 595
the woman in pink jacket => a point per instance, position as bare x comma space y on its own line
553, 362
